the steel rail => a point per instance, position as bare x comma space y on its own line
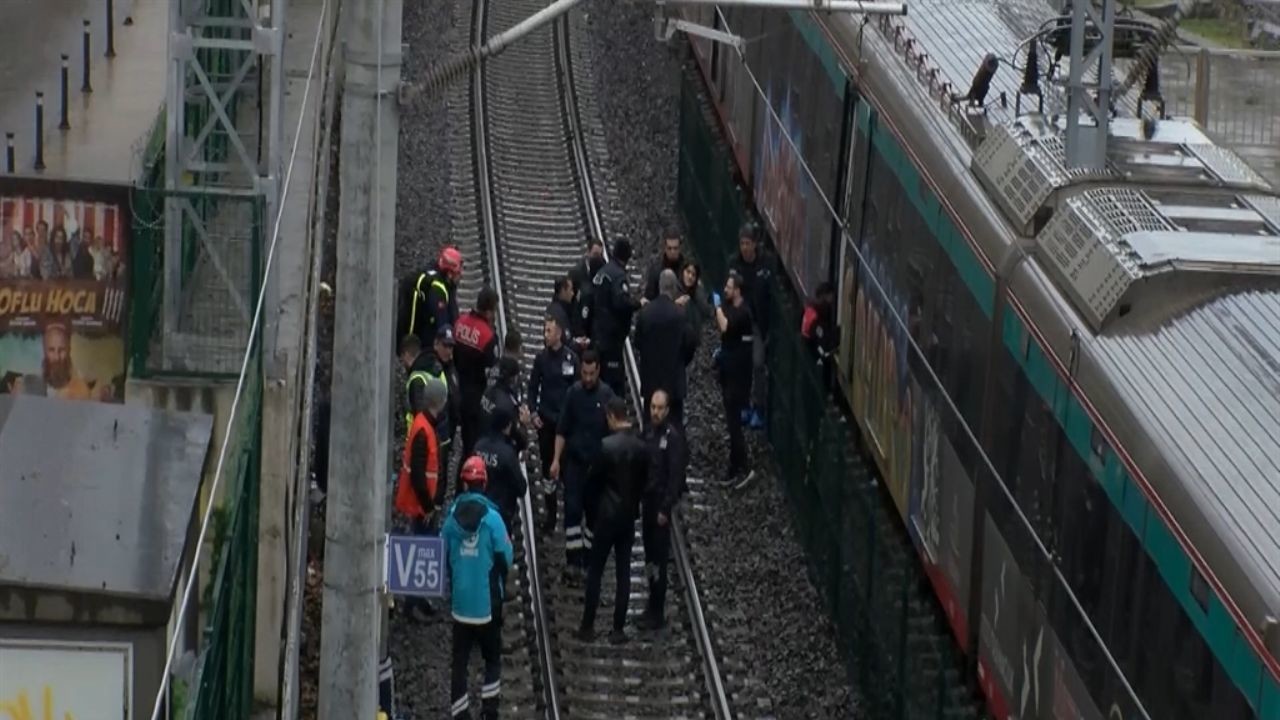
711, 666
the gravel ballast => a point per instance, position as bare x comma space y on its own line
770, 626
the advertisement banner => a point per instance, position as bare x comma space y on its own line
69, 681
63, 290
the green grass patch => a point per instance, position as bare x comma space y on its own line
1228, 33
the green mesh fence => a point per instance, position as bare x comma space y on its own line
897, 651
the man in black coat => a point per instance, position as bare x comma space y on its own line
671, 258
506, 483
611, 318
669, 460
582, 273
663, 340
615, 485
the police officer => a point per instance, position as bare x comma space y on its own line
733, 317
417, 489
504, 394
555, 368
669, 460
755, 267
663, 341
581, 427
561, 306
582, 273
475, 351
671, 258
506, 484
611, 316
614, 487
429, 299
479, 552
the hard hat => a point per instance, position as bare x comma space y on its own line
474, 471
450, 260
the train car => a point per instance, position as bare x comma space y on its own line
1069, 380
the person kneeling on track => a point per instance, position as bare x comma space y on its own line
669, 459
581, 427
479, 553
554, 370
614, 485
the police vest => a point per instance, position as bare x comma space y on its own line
420, 376
419, 296
406, 498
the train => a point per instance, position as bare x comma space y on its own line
1068, 379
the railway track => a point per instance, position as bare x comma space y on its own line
525, 194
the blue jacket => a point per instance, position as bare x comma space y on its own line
476, 543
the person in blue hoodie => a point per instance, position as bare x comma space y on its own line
479, 553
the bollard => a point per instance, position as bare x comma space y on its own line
39, 130
10, 155
66, 82
86, 86
111, 29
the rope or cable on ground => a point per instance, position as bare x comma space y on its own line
189, 582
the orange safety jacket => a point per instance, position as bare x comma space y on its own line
406, 498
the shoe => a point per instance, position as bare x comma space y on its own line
651, 623
745, 481
585, 634
618, 637
573, 576
420, 612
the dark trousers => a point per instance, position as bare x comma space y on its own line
470, 422
489, 638
657, 550
577, 537
547, 453
612, 536
736, 393
613, 371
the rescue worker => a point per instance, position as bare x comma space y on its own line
671, 258
504, 394
614, 486
561, 306
429, 300
581, 427
420, 366
418, 484
818, 327
506, 483
663, 341
555, 368
668, 463
611, 316
475, 351
582, 273
733, 317
479, 552
755, 267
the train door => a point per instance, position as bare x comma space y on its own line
851, 198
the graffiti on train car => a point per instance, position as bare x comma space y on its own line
882, 392
782, 187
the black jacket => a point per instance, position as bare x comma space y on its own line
499, 395
561, 313
582, 421
617, 478
506, 484
614, 306
757, 278
582, 273
654, 271
669, 460
553, 373
663, 340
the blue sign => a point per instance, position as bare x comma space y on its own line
415, 565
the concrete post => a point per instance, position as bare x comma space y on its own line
361, 391
1201, 107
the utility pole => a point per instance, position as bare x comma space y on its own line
356, 520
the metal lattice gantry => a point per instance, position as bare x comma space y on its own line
1088, 115
223, 164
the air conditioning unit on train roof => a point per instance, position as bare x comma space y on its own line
1118, 251
1022, 164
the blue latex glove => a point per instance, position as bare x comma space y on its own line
715, 299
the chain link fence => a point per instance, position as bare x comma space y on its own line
898, 653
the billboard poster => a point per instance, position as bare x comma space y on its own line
63, 290
70, 681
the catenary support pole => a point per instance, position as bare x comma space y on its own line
359, 444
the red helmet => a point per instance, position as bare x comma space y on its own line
450, 260
474, 471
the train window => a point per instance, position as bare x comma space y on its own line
1199, 589
1081, 527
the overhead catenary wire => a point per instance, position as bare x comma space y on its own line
189, 582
